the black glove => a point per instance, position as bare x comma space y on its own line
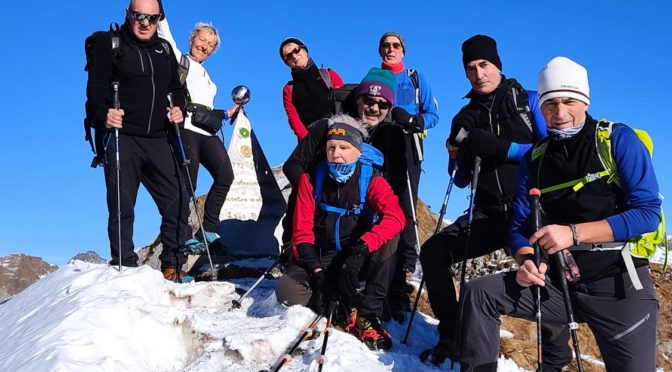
308, 257
414, 123
348, 280
316, 302
463, 123
486, 145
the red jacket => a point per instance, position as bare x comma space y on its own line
379, 197
295, 123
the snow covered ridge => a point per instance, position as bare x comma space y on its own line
86, 317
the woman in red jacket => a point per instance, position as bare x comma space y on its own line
335, 239
307, 97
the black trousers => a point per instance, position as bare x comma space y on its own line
209, 151
408, 255
489, 232
149, 161
293, 288
622, 319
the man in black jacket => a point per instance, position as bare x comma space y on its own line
499, 124
146, 72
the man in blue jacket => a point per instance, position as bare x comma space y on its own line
499, 124
591, 210
415, 110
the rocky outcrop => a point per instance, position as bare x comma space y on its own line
18, 271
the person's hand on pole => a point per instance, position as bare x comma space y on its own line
175, 115
114, 118
529, 274
553, 238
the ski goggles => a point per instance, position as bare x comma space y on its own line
382, 105
151, 18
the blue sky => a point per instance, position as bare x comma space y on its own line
53, 204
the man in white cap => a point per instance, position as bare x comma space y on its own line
592, 210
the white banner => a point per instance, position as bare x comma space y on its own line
243, 202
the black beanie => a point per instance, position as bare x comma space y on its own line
347, 133
481, 47
294, 40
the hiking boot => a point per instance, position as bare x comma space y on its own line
369, 330
438, 354
169, 273
114, 263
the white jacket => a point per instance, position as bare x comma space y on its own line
201, 89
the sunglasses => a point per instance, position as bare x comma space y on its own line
291, 53
151, 18
392, 45
383, 105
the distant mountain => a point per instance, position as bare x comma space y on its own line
89, 256
18, 271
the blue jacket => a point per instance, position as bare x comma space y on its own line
405, 98
637, 182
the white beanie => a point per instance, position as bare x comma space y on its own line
562, 77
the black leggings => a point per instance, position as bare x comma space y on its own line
209, 151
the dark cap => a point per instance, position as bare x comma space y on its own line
481, 47
347, 133
294, 40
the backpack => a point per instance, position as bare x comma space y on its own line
371, 160
89, 124
643, 246
96, 141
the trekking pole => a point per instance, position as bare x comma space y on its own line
470, 219
287, 358
117, 106
536, 209
185, 162
327, 330
442, 213
573, 326
236, 304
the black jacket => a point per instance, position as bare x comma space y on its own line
146, 72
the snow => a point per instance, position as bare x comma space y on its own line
91, 317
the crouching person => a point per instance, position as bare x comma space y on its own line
345, 216
600, 197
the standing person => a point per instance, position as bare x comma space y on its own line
146, 73
333, 250
502, 121
307, 97
594, 221
201, 143
416, 111
373, 98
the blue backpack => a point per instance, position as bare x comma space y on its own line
370, 160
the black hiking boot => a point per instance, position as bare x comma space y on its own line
439, 354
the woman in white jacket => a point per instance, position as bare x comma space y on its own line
201, 143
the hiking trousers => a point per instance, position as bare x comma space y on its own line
622, 319
406, 249
293, 288
209, 151
149, 161
489, 232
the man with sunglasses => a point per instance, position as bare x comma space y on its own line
372, 102
499, 124
415, 111
146, 72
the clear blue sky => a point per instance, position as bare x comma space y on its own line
53, 204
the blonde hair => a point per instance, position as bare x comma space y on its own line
204, 27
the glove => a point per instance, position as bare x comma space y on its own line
463, 123
486, 145
348, 280
316, 302
414, 123
308, 257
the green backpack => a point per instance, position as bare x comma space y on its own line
643, 246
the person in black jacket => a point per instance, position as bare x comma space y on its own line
146, 72
499, 124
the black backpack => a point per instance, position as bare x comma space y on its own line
89, 120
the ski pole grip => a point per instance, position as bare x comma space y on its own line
115, 87
536, 220
170, 100
477, 170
